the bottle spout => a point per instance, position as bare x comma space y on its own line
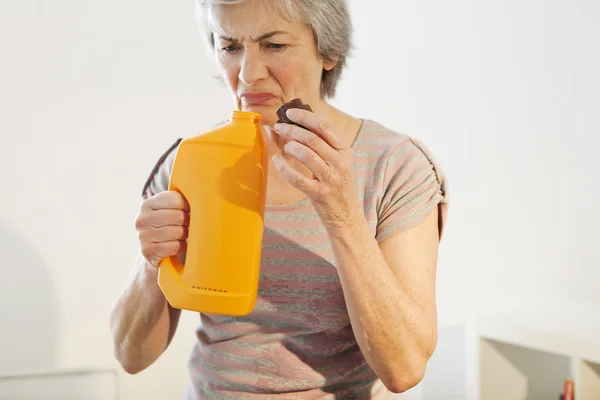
247, 116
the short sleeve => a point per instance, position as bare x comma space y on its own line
158, 180
413, 184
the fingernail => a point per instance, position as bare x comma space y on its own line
290, 113
280, 128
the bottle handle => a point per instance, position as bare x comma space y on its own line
170, 280
171, 263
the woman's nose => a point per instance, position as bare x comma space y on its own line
253, 69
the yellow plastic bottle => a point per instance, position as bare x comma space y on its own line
223, 175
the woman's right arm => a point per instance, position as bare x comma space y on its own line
142, 321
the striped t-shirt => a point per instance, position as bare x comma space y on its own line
298, 341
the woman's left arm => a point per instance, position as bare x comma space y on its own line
390, 295
389, 287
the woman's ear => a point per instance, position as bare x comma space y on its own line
328, 65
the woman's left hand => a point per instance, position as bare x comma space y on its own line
332, 189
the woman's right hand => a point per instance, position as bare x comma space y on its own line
162, 224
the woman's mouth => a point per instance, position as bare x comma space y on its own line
254, 99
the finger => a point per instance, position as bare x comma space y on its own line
160, 218
169, 200
164, 234
317, 124
168, 249
295, 178
309, 139
308, 157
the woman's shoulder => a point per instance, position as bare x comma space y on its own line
402, 174
374, 132
377, 134
378, 144
406, 179
158, 179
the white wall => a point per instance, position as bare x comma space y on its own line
506, 94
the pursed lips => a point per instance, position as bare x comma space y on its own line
257, 98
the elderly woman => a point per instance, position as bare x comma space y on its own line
354, 216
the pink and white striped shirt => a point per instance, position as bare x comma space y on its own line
298, 342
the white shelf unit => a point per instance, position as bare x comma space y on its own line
500, 360
75, 384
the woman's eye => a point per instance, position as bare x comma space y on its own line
229, 48
275, 46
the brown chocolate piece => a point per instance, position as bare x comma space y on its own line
295, 103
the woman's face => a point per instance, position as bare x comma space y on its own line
265, 60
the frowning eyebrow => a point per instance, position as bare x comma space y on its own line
258, 39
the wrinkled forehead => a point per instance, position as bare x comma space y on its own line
250, 17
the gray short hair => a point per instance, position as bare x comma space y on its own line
329, 20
